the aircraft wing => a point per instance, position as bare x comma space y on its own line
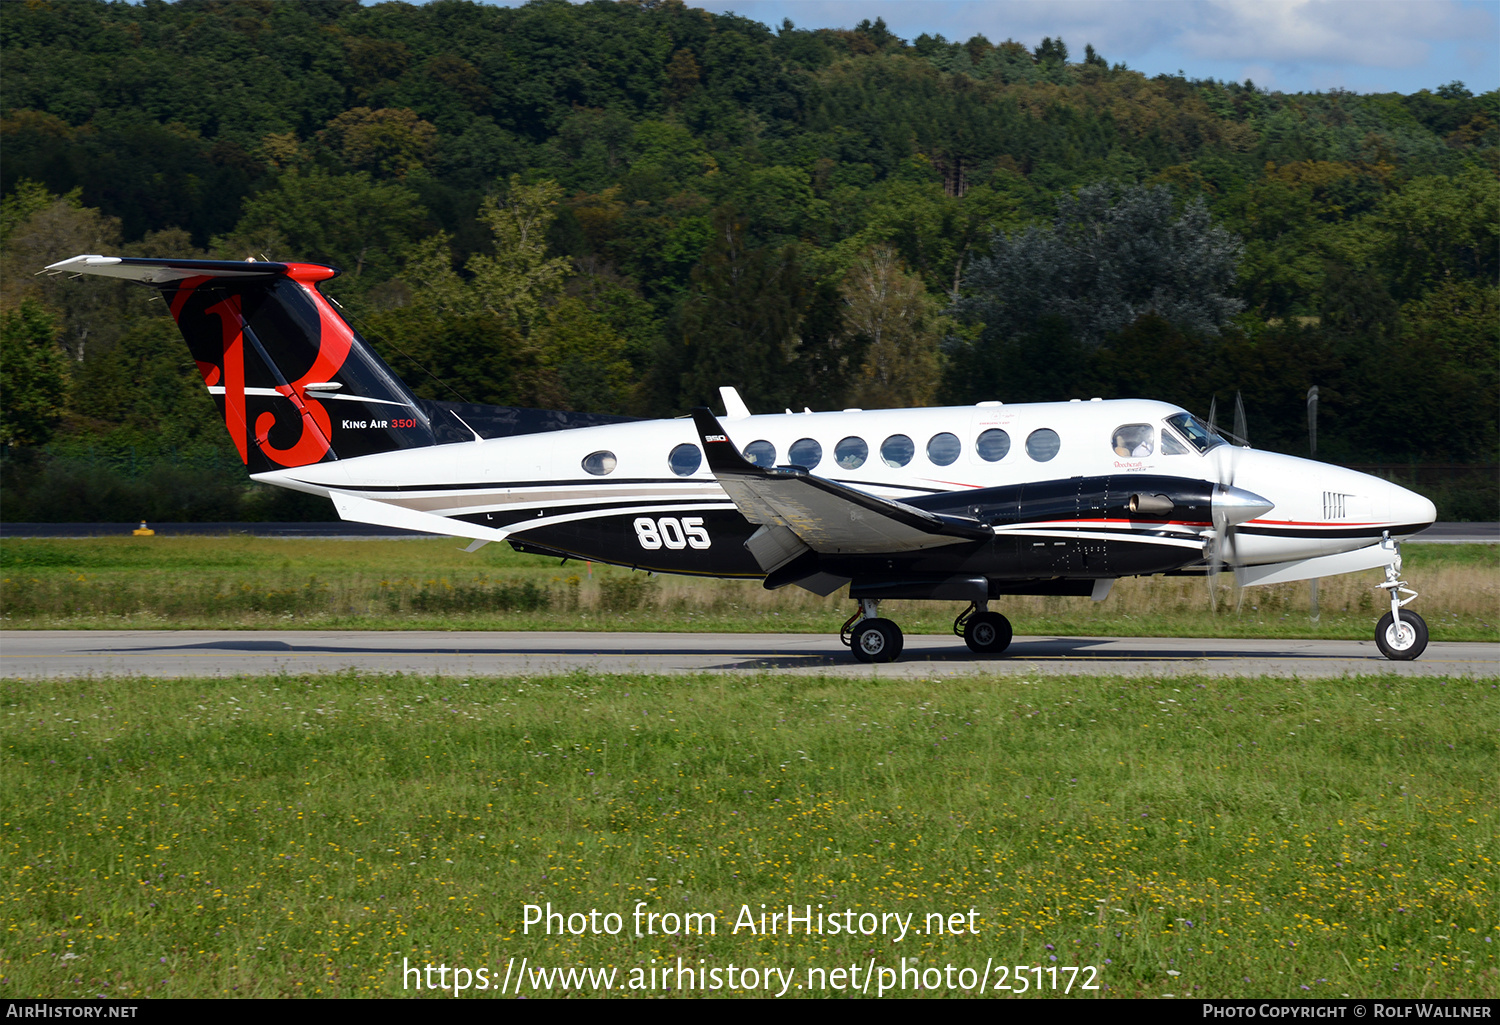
828, 517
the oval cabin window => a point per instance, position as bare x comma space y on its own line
685, 460
761, 453
600, 463
805, 453
851, 453
1043, 444
897, 450
993, 445
944, 449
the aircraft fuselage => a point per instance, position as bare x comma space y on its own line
1050, 480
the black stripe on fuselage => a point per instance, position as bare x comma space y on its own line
593, 482
1313, 533
504, 517
574, 482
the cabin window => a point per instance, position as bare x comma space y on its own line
851, 453
805, 453
993, 445
943, 449
1134, 440
761, 453
685, 460
1043, 444
600, 463
1170, 446
897, 450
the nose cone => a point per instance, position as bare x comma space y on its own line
1236, 505
1410, 511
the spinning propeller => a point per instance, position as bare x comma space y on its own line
1312, 451
1231, 505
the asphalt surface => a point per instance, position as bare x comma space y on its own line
178, 653
1440, 533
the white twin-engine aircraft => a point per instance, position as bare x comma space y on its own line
959, 503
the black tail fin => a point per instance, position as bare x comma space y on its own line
295, 384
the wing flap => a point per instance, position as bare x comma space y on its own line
830, 518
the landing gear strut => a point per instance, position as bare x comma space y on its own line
1400, 636
985, 632
872, 639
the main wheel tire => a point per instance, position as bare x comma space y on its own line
1403, 643
987, 633
877, 640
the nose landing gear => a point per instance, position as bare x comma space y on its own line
1400, 636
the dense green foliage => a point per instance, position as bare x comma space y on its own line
618, 207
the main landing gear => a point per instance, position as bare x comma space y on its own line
873, 639
1400, 636
985, 632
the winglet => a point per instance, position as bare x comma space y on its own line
722, 456
734, 406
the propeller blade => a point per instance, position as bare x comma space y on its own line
1312, 451
1230, 506
1242, 440
1211, 577
1312, 421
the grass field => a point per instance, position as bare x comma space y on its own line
282, 836
250, 583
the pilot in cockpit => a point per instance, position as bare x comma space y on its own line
1134, 440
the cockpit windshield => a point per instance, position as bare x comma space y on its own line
1195, 431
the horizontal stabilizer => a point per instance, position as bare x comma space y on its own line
828, 517
363, 510
161, 272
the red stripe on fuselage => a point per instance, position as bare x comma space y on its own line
1106, 521
1317, 523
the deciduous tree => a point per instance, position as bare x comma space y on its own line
33, 374
888, 308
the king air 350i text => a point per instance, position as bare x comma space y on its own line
959, 503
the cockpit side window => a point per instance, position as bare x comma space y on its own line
1170, 446
1134, 440
1195, 431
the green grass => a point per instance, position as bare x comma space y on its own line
282, 836
260, 583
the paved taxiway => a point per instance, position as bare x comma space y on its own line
176, 653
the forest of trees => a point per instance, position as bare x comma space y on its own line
617, 207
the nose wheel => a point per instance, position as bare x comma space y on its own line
1401, 636
1401, 641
